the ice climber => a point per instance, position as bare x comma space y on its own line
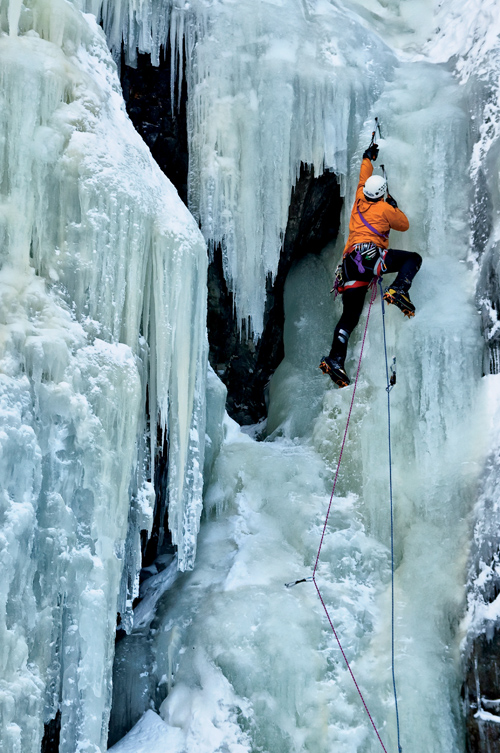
366, 255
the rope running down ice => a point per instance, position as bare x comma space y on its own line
373, 294
388, 390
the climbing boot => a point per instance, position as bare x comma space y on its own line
401, 299
335, 370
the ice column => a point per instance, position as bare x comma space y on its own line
472, 37
102, 311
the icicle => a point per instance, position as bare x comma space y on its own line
13, 14
103, 306
291, 91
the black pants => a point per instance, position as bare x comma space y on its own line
406, 263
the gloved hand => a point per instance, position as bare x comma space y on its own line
371, 152
390, 200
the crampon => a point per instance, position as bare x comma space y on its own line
401, 300
335, 371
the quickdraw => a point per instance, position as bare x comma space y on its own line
338, 282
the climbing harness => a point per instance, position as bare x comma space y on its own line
391, 381
367, 257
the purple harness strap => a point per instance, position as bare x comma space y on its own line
370, 227
357, 259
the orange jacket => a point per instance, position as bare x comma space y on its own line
379, 214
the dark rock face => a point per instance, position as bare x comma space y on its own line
481, 692
161, 122
245, 367
50, 741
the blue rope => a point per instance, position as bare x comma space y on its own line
388, 390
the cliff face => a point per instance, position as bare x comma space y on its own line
483, 682
245, 364
481, 643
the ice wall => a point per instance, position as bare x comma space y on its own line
470, 39
290, 82
102, 306
252, 665
245, 664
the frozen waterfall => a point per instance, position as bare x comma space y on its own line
103, 354
246, 664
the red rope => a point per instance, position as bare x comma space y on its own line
374, 293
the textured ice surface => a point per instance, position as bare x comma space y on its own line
252, 665
215, 397
101, 266
249, 665
297, 387
102, 304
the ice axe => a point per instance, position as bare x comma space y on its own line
387, 192
374, 132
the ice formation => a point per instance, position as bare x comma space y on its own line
102, 298
230, 630
102, 306
293, 84
233, 648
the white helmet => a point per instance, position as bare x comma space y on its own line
375, 187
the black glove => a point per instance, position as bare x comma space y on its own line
390, 200
371, 152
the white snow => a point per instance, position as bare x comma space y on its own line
149, 735
487, 716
